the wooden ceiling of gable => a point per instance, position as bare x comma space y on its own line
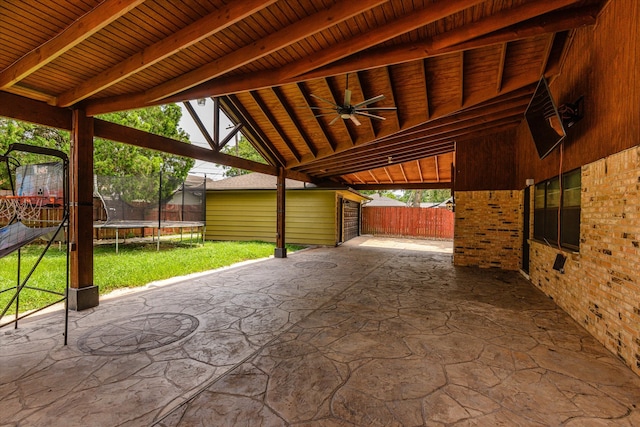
454, 70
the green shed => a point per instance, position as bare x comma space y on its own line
244, 208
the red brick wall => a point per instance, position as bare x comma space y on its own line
488, 229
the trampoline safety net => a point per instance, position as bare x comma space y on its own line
150, 201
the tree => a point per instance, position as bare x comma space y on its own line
110, 158
116, 159
424, 196
244, 150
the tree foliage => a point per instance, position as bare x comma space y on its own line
110, 158
116, 159
244, 150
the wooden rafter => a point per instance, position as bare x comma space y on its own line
383, 57
360, 42
420, 171
435, 159
291, 34
277, 93
274, 123
321, 125
404, 175
386, 171
199, 30
503, 57
200, 125
374, 177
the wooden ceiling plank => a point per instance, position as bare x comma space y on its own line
274, 123
197, 31
497, 22
519, 30
403, 186
83, 28
416, 19
456, 130
261, 143
293, 33
364, 119
307, 101
277, 92
447, 145
554, 22
475, 115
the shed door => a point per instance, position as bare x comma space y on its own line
351, 212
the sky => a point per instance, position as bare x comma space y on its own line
212, 170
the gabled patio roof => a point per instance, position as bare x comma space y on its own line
454, 70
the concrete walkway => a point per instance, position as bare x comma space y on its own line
377, 332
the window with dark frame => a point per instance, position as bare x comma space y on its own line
547, 199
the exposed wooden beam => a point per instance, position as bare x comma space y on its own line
521, 27
260, 141
199, 30
471, 115
293, 33
28, 110
277, 92
388, 175
127, 135
87, 25
323, 128
435, 159
404, 186
200, 125
266, 111
404, 175
417, 19
503, 58
374, 177
420, 170
558, 21
461, 87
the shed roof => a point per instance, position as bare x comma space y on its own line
379, 201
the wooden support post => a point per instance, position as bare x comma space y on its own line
281, 250
83, 293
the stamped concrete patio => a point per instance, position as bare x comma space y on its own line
377, 332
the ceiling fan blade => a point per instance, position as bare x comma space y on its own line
334, 120
322, 108
327, 101
355, 120
373, 116
347, 98
378, 108
370, 101
324, 114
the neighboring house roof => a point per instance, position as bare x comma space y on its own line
253, 181
378, 200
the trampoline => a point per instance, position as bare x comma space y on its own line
157, 202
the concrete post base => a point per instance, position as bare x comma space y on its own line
83, 298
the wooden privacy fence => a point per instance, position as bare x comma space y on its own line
428, 223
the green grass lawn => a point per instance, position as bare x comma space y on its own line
134, 265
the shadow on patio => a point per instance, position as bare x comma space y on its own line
375, 332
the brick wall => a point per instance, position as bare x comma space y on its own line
488, 229
601, 285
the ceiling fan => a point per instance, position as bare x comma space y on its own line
349, 111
